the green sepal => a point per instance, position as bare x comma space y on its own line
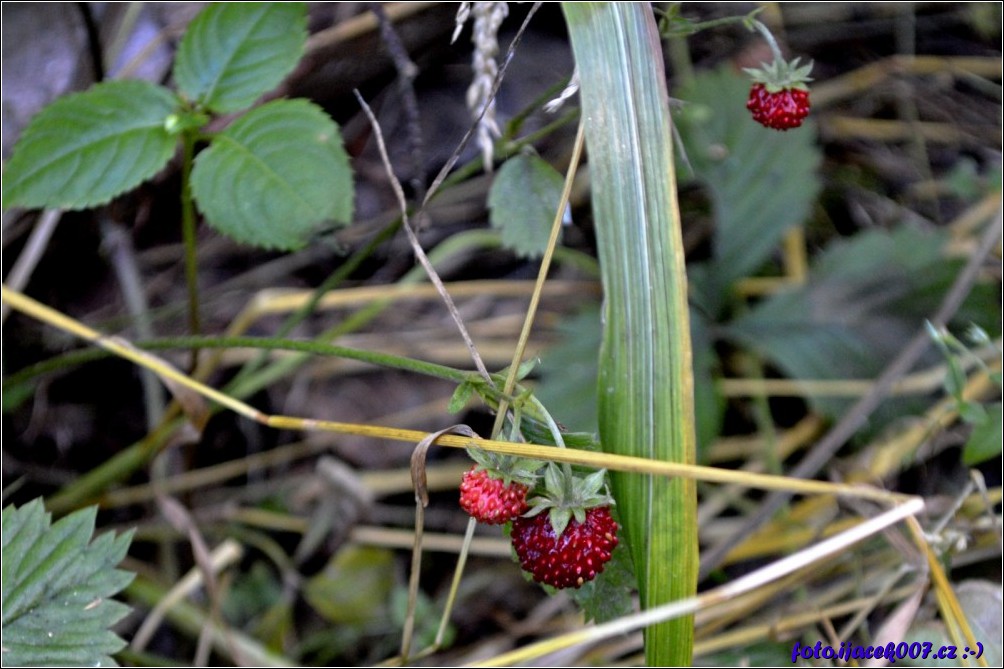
560, 517
461, 396
780, 75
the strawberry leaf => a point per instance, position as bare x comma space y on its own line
57, 585
864, 299
276, 176
234, 52
523, 200
85, 149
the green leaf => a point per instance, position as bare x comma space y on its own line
234, 52
355, 586
761, 182
985, 440
568, 371
275, 176
865, 298
85, 149
971, 412
646, 382
523, 200
57, 585
461, 396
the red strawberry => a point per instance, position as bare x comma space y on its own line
490, 500
779, 97
781, 110
577, 555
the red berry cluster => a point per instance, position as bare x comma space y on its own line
782, 110
575, 556
567, 536
490, 500
779, 97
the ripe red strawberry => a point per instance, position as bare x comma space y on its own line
490, 500
782, 110
577, 555
779, 97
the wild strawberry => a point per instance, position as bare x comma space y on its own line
494, 490
779, 98
571, 558
782, 110
490, 500
568, 535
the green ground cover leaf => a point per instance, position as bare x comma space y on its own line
85, 149
234, 52
523, 201
57, 586
276, 176
985, 440
865, 298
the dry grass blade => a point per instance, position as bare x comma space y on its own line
417, 246
225, 554
723, 593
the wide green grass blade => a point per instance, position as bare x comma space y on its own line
646, 380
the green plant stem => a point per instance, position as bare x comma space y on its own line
386, 360
771, 42
188, 235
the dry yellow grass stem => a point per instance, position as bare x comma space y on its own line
176, 379
724, 593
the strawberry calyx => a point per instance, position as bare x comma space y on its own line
781, 75
507, 468
566, 496
569, 535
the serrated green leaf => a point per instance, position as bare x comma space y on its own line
523, 201
864, 299
234, 52
275, 176
761, 182
85, 149
57, 586
568, 371
985, 440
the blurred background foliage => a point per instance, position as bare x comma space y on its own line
814, 257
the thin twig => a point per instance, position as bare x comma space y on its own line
417, 246
406, 73
25, 264
122, 257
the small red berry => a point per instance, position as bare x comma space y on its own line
571, 559
490, 500
782, 110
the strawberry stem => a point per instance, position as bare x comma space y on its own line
771, 42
